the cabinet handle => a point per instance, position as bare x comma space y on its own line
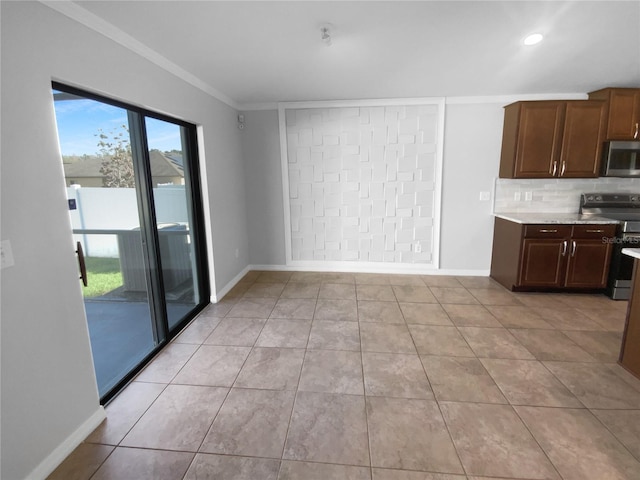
564, 248
564, 166
544, 230
595, 231
573, 249
635, 134
555, 168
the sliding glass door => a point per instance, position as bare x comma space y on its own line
134, 202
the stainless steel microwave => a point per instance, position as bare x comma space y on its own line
621, 159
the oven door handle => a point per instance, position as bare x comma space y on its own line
631, 236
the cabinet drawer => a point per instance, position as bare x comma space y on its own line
547, 231
593, 231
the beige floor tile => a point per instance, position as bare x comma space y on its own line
381, 312
301, 290
425, 314
213, 365
587, 302
625, 426
494, 343
480, 282
517, 317
238, 290
471, 316
493, 296
253, 308
579, 446
168, 363
328, 335
264, 290
528, 382
381, 293
439, 340
337, 291
178, 419
198, 330
551, 345
610, 318
251, 276
335, 277
596, 385
143, 464
285, 333
395, 375
492, 441
239, 332
386, 338
219, 309
332, 372
338, 310
541, 300
567, 319
300, 308
273, 277
414, 294
307, 277
82, 463
409, 434
406, 280
328, 428
446, 281
251, 423
321, 471
453, 295
603, 346
372, 279
461, 379
124, 411
388, 474
224, 467
271, 368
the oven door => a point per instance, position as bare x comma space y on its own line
621, 271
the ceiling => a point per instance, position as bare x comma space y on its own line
265, 52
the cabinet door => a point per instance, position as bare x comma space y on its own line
624, 114
543, 262
582, 139
539, 139
588, 263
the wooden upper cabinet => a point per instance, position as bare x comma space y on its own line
584, 124
546, 139
622, 111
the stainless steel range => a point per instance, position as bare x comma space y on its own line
624, 207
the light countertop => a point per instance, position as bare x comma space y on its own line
554, 218
632, 252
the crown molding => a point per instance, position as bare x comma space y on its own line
101, 26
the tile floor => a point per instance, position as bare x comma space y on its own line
320, 376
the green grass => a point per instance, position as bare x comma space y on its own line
104, 275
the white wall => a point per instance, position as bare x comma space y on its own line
473, 135
48, 385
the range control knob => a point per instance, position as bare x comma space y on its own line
590, 198
634, 198
599, 198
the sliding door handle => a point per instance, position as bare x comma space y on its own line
81, 264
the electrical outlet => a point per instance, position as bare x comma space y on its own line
528, 196
6, 255
517, 196
485, 196
417, 248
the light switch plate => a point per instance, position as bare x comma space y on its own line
6, 254
485, 196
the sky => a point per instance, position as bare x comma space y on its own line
80, 120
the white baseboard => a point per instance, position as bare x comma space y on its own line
62, 451
216, 296
370, 267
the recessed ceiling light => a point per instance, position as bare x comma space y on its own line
532, 39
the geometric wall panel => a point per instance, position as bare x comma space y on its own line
363, 182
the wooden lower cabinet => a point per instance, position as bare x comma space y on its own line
630, 352
530, 257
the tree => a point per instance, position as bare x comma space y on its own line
117, 162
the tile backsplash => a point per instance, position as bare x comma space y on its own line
554, 195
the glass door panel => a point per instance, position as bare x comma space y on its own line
103, 206
168, 149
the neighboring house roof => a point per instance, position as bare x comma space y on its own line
161, 166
